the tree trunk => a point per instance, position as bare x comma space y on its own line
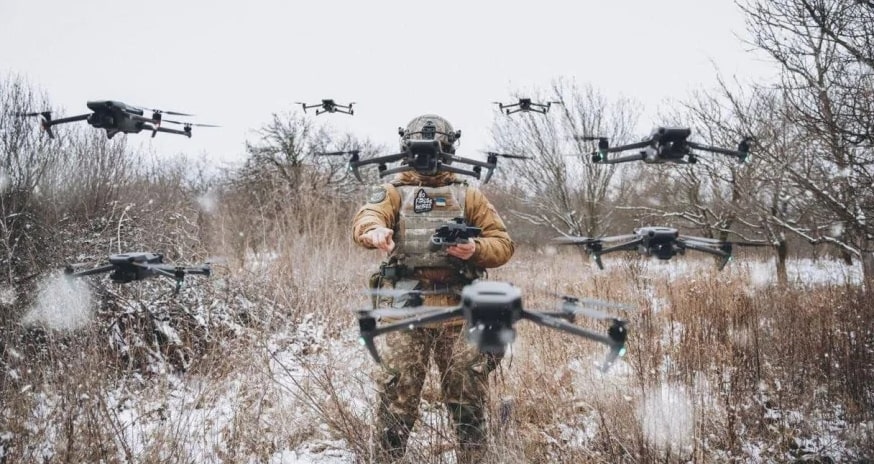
782, 253
868, 270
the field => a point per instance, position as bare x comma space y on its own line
261, 364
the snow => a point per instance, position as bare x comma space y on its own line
285, 389
62, 303
7, 295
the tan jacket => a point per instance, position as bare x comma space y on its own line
494, 246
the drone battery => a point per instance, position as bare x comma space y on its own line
673, 134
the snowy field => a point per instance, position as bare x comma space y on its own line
271, 409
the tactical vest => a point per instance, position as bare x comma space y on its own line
423, 210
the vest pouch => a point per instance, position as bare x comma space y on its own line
403, 301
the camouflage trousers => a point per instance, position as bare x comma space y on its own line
464, 373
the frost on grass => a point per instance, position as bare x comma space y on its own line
61, 304
667, 418
7, 295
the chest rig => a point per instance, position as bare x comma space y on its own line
423, 210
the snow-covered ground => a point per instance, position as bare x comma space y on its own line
299, 375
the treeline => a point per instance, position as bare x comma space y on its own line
810, 177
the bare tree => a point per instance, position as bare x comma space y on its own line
565, 194
25, 158
824, 48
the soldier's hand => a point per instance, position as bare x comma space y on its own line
462, 250
381, 238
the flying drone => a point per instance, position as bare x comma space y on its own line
490, 309
662, 242
664, 144
526, 105
128, 267
328, 106
115, 117
425, 156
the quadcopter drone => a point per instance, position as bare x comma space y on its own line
116, 117
328, 106
425, 156
491, 309
662, 242
665, 144
526, 105
128, 267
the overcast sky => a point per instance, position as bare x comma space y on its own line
236, 63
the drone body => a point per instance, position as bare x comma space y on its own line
425, 156
129, 267
526, 105
664, 145
118, 117
329, 106
490, 310
661, 242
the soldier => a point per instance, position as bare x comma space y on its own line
399, 219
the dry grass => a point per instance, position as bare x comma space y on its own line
718, 370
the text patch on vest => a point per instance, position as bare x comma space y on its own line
423, 203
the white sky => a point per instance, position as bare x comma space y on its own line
235, 63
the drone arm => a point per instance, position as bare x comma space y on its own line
354, 165
706, 249
419, 321
722, 151
368, 330
622, 246
631, 146
548, 320
157, 129
55, 122
464, 172
624, 159
88, 272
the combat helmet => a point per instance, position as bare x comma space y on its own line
431, 127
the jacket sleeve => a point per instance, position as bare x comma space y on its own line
381, 210
494, 246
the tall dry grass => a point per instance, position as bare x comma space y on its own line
721, 367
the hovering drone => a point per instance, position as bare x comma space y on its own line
526, 105
662, 242
328, 106
116, 117
425, 156
490, 310
128, 267
665, 144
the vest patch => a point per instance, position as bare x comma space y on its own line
377, 194
423, 203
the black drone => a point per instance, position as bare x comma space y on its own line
328, 106
665, 144
425, 156
662, 242
128, 267
115, 117
526, 105
490, 310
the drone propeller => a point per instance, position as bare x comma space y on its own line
505, 155
158, 112
45, 120
713, 241
339, 153
190, 124
397, 292
577, 308
398, 313
576, 240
